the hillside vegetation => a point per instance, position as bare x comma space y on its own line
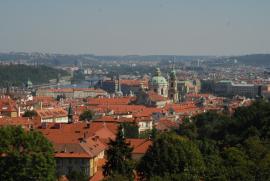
17, 75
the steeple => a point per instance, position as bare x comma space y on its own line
70, 114
157, 72
118, 91
119, 84
8, 90
173, 90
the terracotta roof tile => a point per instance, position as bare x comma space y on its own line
110, 101
140, 146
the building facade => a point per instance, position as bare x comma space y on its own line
173, 89
229, 89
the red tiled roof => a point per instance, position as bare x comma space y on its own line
51, 113
71, 155
131, 82
155, 97
16, 121
165, 124
110, 101
74, 133
88, 148
123, 109
76, 89
182, 107
140, 146
7, 105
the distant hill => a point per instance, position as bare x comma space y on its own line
18, 75
66, 59
254, 59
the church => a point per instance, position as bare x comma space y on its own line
167, 89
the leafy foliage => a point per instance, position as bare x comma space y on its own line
87, 115
236, 147
29, 113
77, 176
119, 160
131, 130
25, 155
116, 177
17, 75
172, 156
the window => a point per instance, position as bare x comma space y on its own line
172, 85
162, 91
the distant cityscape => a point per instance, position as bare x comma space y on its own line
82, 100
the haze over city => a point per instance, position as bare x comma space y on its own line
134, 90
122, 27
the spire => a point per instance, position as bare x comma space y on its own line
157, 73
118, 90
173, 65
173, 89
8, 90
119, 84
70, 114
173, 72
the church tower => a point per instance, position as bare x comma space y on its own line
117, 86
173, 91
70, 114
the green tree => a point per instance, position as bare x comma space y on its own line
188, 129
25, 155
172, 156
264, 168
259, 155
17, 75
154, 133
116, 177
87, 115
238, 165
119, 160
29, 113
77, 176
213, 161
131, 130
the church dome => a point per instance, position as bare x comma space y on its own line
158, 79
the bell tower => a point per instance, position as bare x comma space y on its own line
173, 91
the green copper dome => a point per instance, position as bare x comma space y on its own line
157, 80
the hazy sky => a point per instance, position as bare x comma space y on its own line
118, 27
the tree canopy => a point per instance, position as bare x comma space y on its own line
119, 160
87, 115
233, 147
29, 113
17, 75
172, 156
25, 155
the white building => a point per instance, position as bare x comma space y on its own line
57, 115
